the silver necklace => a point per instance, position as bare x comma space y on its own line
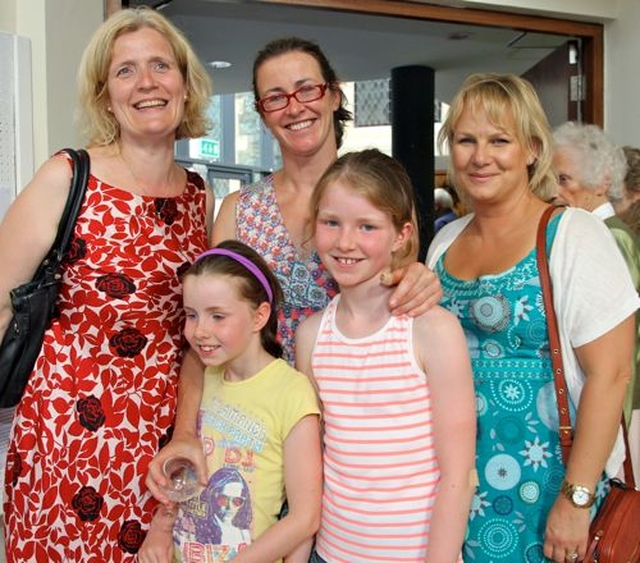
140, 187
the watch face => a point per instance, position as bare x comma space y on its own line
581, 497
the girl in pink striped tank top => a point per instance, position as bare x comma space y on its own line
397, 392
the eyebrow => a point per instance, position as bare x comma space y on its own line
297, 84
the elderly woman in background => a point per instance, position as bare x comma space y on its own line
102, 396
526, 507
591, 172
631, 194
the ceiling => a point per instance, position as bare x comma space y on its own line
359, 46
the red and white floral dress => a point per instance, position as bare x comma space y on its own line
101, 399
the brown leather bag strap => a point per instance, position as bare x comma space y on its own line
566, 430
627, 464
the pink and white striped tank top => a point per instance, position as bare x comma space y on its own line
380, 467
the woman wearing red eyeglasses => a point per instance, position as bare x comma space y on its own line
299, 98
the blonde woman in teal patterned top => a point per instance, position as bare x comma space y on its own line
525, 508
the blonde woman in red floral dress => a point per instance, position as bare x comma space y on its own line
102, 397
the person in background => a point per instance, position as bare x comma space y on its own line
443, 206
258, 424
529, 505
590, 171
397, 391
102, 396
631, 194
628, 209
299, 99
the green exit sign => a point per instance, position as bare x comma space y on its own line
209, 149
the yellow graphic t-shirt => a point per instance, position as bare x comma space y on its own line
243, 426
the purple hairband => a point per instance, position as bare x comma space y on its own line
248, 264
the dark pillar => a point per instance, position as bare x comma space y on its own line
412, 108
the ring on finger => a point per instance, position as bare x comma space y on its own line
572, 556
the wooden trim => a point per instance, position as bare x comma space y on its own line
591, 34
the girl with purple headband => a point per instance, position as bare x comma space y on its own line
258, 420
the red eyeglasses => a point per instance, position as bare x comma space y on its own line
304, 95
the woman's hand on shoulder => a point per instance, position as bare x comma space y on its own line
418, 289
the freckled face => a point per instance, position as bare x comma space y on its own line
355, 239
219, 324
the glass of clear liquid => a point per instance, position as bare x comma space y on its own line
182, 479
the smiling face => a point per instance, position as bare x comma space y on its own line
220, 326
301, 129
145, 86
354, 238
489, 161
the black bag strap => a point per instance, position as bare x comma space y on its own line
79, 179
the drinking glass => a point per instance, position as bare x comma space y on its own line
182, 479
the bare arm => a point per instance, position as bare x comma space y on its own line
184, 441
224, 227
29, 228
157, 546
606, 363
210, 209
444, 355
303, 480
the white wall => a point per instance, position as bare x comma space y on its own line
583, 9
58, 30
622, 75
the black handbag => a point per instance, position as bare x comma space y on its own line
34, 303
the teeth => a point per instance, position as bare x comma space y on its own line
207, 348
301, 125
150, 104
347, 261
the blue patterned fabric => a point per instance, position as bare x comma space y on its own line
519, 460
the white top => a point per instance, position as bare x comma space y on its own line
592, 291
604, 211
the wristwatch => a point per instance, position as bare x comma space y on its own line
580, 496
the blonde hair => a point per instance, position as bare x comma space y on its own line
385, 183
98, 124
504, 96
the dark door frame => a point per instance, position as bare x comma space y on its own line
590, 34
